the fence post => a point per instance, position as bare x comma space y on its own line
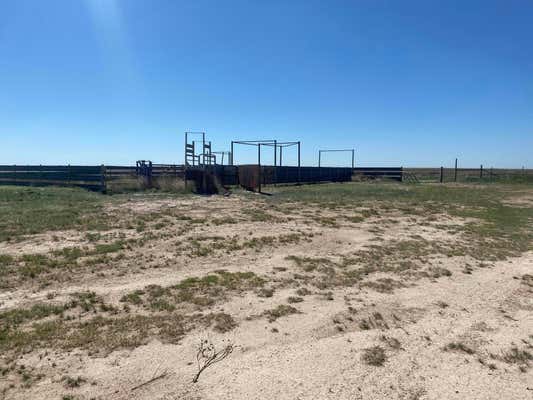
103, 180
481, 171
455, 172
299, 165
150, 174
441, 174
259, 175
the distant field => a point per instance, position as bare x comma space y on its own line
333, 291
485, 175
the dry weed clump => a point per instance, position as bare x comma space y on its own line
374, 356
207, 355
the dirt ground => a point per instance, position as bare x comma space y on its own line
369, 299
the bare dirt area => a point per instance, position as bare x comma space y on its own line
341, 291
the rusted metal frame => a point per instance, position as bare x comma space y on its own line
335, 151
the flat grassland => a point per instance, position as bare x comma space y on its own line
333, 291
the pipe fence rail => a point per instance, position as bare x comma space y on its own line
146, 174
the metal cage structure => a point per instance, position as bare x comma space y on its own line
257, 172
222, 154
191, 156
352, 151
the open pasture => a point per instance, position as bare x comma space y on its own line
333, 291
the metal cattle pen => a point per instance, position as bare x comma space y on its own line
336, 151
269, 143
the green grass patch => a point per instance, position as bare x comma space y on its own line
198, 291
26, 210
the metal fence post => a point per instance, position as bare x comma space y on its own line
441, 174
103, 181
259, 166
455, 172
275, 162
299, 165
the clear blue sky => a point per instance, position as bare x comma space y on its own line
413, 83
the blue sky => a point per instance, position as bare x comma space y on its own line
413, 83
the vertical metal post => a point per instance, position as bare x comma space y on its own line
455, 172
186, 149
353, 158
203, 148
103, 181
231, 154
299, 164
150, 174
275, 162
259, 166
319, 156
441, 174
280, 156
481, 171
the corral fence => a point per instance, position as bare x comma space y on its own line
88, 177
365, 173
146, 174
92, 177
210, 177
468, 175
252, 177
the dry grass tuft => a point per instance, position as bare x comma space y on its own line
280, 311
374, 356
459, 347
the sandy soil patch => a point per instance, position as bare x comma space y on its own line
386, 305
